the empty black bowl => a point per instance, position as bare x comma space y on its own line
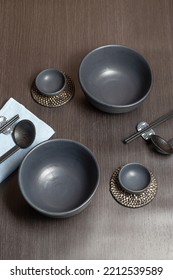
134, 178
115, 79
59, 177
50, 82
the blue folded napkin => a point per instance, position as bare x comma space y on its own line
43, 133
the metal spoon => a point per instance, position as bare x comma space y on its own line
23, 136
161, 145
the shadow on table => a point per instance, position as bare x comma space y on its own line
17, 205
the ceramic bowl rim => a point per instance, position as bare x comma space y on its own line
125, 187
69, 212
92, 96
50, 93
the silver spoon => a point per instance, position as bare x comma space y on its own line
23, 136
161, 145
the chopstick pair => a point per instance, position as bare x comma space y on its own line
8, 123
151, 125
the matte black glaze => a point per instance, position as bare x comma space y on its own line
134, 178
63, 178
50, 82
24, 133
161, 145
23, 136
115, 79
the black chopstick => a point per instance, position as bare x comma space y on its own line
151, 125
8, 123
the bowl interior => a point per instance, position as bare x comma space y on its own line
134, 177
62, 174
115, 75
50, 81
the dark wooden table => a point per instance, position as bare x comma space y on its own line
38, 34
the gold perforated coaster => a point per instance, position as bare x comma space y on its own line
57, 100
132, 200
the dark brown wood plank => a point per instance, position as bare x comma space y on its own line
38, 34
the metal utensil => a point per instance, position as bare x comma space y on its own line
161, 145
8, 123
23, 136
152, 125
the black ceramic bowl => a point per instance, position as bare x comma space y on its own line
59, 177
115, 79
50, 82
134, 178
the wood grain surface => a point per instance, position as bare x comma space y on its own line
38, 34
